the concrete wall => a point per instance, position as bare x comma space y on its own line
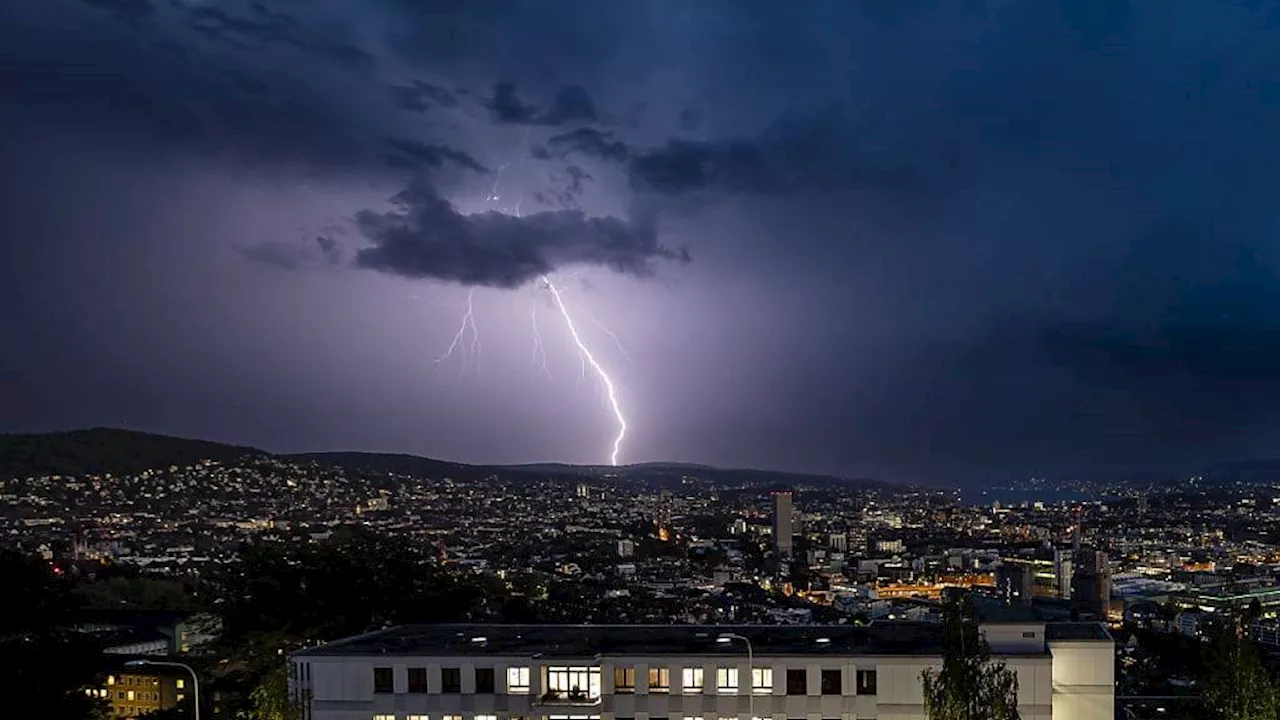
1083, 680
1076, 683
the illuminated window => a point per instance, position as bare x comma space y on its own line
517, 680
416, 717
762, 681
131, 695
624, 679
181, 697
384, 717
111, 679
451, 717
691, 680
574, 683
181, 684
727, 680
659, 679
486, 717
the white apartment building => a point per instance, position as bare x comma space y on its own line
693, 672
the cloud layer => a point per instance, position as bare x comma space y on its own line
427, 238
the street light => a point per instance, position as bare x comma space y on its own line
725, 639
195, 679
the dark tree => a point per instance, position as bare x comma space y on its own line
970, 686
49, 663
1238, 686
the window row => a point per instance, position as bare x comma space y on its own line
583, 683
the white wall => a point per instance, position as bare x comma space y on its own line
1083, 680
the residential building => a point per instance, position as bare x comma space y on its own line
619, 672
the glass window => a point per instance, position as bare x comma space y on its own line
484, 681
830, 682
574, 683
727, 680
624, 679
451, 680
451, 717
517, 679
762, 681
866, 682
486, 717
130, 695
382, 680
418, 680
691, 680
797, 682
384, 717
181, 683
659, 679
416, 717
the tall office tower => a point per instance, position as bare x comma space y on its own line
1063, 565
1015, 581
1091, 585
782, 512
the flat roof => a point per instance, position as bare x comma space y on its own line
587, 641
1077, 631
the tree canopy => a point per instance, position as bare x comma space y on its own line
970, 685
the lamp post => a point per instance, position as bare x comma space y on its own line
726, 638
195, 679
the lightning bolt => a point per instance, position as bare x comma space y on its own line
605, 329
539, 352
590, 359
467, 340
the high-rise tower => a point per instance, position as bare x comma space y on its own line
782, 516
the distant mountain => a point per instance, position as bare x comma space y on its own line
105, 450
398, 464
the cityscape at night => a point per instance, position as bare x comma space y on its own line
640, 359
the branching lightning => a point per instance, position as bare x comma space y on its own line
466, 341
605, 329
590, 359
539, 352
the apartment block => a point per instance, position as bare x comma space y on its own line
562, 672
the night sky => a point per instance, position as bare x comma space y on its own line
916, 240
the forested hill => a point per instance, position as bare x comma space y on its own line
105, 450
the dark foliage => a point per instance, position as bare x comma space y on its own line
104, 450
43, 655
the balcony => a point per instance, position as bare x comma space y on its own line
571, 698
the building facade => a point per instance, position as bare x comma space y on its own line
136, 693
560, 672
783, 514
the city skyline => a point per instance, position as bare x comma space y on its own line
919, 242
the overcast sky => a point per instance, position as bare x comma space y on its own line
917, 240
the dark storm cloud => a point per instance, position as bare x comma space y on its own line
258, 25
572, 103
818, 152
428, 238
587, 141
420, 96
411, 154
1029, 235
329, 248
